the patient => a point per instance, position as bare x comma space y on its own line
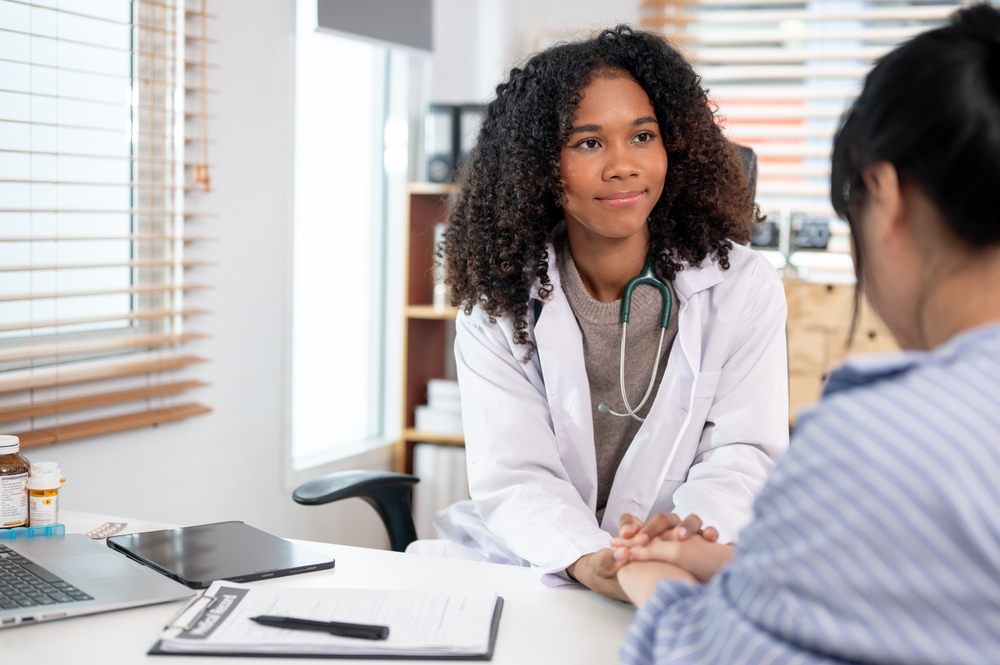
877, 539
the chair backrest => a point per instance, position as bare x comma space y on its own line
749, 159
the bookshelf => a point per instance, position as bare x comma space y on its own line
425, 328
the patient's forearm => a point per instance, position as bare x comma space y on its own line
639, 579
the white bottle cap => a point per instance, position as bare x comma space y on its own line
9, 444
44, 476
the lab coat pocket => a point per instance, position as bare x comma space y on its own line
706, 385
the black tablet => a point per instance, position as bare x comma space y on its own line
232, 551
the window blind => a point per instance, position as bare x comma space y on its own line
103, 140
783, 72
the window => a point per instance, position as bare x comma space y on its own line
354, 132
39, 179
784, 71
94, 161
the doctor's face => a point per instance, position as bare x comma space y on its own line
614, 164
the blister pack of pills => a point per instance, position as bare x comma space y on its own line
106, 529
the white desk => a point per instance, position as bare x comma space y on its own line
539, 625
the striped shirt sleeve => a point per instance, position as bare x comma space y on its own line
876, 540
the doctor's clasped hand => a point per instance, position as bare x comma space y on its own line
665, 547
599, 570
665, 526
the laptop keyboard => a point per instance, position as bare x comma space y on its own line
26, 584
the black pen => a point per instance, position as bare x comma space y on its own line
359, 630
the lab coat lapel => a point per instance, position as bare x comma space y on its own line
560, 352
645, 466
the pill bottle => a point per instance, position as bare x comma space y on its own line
14, 469
43, 493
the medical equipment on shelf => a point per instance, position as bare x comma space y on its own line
647, 276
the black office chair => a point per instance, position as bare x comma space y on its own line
749, 159
388, 493
766, 233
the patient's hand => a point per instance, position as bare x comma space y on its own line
666, 526
638, 580
700, 557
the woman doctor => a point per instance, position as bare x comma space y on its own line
594, 157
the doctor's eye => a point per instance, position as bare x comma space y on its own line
588, 144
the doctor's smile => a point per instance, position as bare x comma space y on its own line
622, 199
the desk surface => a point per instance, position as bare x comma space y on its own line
539, 624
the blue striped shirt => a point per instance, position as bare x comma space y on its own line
876, 540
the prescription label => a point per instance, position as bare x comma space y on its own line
44, 510
13, 500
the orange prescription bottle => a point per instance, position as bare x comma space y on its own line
14, 469
43, 493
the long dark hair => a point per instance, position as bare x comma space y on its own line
510, 192
932, 109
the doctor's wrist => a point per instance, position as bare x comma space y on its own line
598, 571
570, 570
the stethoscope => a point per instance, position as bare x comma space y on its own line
647, 276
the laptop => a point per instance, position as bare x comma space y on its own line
57, 577
198, 555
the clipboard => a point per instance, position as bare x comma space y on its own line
494, 629
215, 623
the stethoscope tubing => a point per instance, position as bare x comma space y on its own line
647, 276
621, 378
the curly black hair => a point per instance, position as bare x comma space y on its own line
510, 189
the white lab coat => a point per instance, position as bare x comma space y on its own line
718, 424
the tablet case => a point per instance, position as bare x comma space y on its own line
494, 628
196, 556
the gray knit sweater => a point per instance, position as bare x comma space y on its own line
602, 336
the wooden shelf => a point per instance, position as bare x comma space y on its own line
426, 328
416, 436
430, 312
432, 188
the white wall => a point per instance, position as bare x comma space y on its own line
477, 41
231, 464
